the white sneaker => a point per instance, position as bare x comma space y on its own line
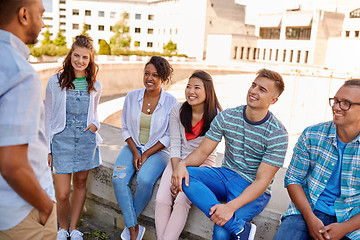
76, 235
125, 235
62, 234
141, 232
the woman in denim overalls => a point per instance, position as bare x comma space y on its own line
71, 101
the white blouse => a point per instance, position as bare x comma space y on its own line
159, 127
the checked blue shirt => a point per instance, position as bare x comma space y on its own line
314, 159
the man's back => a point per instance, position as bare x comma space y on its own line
22, 122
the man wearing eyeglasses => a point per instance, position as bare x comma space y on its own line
323, 179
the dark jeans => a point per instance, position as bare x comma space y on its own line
294, 226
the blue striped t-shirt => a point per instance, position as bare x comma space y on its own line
247, 143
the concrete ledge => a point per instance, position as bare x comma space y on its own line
102, 210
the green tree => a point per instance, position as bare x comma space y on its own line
104, 48
60, 40
84, 30
46, 40
121, 37
170, 48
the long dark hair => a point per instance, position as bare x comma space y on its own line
211, 104
66, 74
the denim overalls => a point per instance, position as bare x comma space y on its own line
74, 150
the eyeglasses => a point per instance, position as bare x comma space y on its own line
344, 105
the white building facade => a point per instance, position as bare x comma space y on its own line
152, 24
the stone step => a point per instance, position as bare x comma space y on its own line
103, 212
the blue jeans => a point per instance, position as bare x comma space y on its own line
208, 186
294, 226
124, 171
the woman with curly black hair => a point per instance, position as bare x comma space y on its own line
145, 119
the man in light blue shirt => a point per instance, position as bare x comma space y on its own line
323, 179
26, 191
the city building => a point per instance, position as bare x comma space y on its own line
152, 23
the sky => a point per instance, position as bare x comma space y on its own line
47, 5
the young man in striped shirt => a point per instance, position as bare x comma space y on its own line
255, 147
323, 179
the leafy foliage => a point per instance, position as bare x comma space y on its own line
60, 39
170, 48
121, 37
104, 48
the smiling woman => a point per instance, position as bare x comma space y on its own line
71, 123
145, 119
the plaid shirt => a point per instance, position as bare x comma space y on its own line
314, 159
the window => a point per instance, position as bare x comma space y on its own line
264, 54
149, 44
258, 53
284, 55
137, 30
298, 33
347, 33
101, 27
62, 1
306, 56
75, 26
62, 9
248, 53
112, 14
62, 24
111, 28
126, 15
170, 31
62, 16
101, 14
137, 44
150, 17
356, 33
88, 26
298, 56
242, 53
270, 33
291, 55
126, 29
254, 54
276, 54
270, 53
87, 12
76, 12
355, 13
150, 31
138, 16
235, 52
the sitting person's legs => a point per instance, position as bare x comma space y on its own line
294, 226
150, 171
222, 184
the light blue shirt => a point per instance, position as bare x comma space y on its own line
327, 198
21, 122
159, 127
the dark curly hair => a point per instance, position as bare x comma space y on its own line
163, 68
66, 74
211, 104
